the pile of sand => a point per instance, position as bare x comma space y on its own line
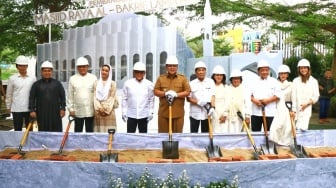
143, 156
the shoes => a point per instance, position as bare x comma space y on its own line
322, 121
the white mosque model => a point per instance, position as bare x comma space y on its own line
119, 40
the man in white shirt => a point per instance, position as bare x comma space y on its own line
202, 93
80, 96
17, 94
138, 100
264, 95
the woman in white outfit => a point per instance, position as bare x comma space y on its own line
219, 118
305, 93
238, 99
280, 131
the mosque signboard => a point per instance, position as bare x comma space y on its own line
100, 8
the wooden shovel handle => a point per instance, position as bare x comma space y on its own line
65, 137
110, 142
293, 127
246, 128
170, 129
264, 120
210, 128
24, 138
248, 133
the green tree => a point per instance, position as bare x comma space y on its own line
18, 32
308, 23
221, 46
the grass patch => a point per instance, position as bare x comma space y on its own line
321, 126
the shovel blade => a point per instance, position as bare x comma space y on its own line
298, 151
110, 158
213, 151
170, 150
271, 149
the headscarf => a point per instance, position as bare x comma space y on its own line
102, 90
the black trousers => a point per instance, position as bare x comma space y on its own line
133, 123
257, 121
18, 118
194, 125
79, 124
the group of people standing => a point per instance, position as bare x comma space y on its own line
93, 101
89, 100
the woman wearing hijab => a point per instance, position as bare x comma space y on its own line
105, 101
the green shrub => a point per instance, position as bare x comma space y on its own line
332, 108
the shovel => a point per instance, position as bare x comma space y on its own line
297, 150
256, 152
19, 154
65, 137
212, 150
109, 157
269, 147
170, 147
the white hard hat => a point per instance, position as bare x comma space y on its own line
303, 63
218, 70
236, 73
82, 61
21, 60
200, 64
47, 64
139, 66
262, 63
172, 60
283, 68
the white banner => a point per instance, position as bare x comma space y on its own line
105, 7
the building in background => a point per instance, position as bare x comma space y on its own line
119, 40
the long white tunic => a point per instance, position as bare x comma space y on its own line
80, 95
238, 100
220, 100
281, 132
301, 94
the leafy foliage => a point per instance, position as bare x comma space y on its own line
221, 46
308, 23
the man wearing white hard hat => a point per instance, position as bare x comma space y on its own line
238, 99
280, 132
80, 96
201, 99
138, 100
305, 93
172, 88
265, 93
18, 89
47, 101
